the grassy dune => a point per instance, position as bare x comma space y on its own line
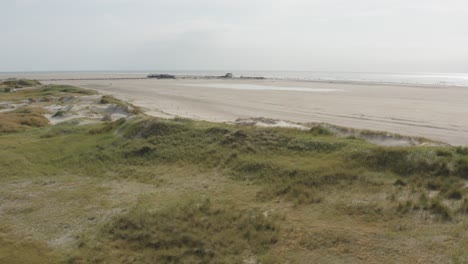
8, 85
169, 191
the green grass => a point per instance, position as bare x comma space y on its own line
193, 232
45, 92
58, 89
22, 118
15, 249
288, 163
154, 190
19, 83
108, 99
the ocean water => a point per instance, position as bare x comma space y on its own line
433, 79
439, 79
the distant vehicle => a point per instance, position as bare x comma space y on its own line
161, 76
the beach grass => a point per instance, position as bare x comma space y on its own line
19, 83
147, 189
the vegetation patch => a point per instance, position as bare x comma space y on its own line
15, 249
333, 191
319, 130
434, 205
19, 83
410, 161
59, 113
45, 93
194, 232
326, 239
463, 209
153, 127
21, 119
57, 89
108, 99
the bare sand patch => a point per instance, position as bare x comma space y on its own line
431, 112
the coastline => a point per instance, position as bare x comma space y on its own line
89, 76
433, 112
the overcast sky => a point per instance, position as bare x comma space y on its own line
317, 35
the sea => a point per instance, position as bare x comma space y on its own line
438, 79
430, 79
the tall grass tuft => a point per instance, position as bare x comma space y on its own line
193, 232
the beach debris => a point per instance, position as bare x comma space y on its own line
161, 76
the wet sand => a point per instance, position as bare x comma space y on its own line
438, 113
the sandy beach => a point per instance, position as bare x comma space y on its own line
437, 113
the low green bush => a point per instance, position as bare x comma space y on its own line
193, 232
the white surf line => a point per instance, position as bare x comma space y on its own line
258, 87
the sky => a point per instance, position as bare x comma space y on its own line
306, 35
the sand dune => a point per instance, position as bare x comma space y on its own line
437, 113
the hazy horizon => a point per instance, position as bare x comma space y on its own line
181, 35
230, 70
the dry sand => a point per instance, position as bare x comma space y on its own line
438, 113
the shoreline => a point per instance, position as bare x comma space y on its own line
432, 113
215, 77
415, 111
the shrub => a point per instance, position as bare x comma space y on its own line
405, 207
107, 126
217, 131
64, 128
15, 83
193, 232
54, 89
314, 145
463, 209
434, 184
28, 83
326, 239
320, 131
455, 194
462, 150
443, 153
434, 205
59, 113
370, 210
437, 207
404, 161
296, 193
462, 168
22, 118
108, 99
399, 182
154, 127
